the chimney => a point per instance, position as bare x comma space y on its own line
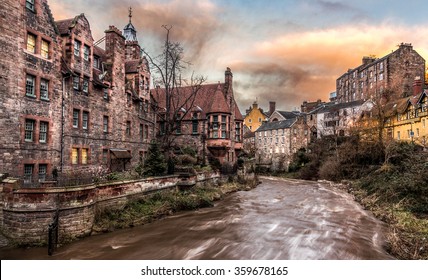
417, 86
255, 106
272, 105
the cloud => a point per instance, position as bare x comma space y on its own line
302, 66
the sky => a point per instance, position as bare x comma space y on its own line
287, 51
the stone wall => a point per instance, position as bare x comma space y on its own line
27, 212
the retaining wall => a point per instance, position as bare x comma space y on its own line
27, 212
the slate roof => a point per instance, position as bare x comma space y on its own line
209, 99
277, 125
338, 106
289, 115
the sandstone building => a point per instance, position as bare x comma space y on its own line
211, 123
68, 106
394, 72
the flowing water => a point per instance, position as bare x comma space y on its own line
280, 219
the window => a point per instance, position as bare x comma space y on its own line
44, 51
85, 86
28, 173
86, 52
128, 99
31, 42
381, 76
105, 94
96, 63
146, 132
215, 126
141, 131
423, 123
398, 135
76, 82
84, 156
43, 134
30, 86
223, 127
381, 66
76, 118
29, 4
417, 132
238, 131
128, 128
29, 130
44, 89
74, 156
195, 126
43, 168
77, 48
105, 124
85, 120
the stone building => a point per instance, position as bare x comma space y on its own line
255, 116
277, 141
394, 72
336, 119
67, 104
210, 123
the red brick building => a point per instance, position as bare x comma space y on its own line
212, 124
65, 103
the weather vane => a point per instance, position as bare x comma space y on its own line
130, 14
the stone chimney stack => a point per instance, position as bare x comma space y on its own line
272, 107
115, 54
417, 86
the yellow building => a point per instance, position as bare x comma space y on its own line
255, 117
409, 120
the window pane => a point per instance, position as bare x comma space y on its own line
76, 48
76, 83
85, 120
29, 4
45, 49
31, 43
75, 118
44, 89
105, 124
84, 156
28, 173
42, 171
74, 156
29, 86
29, 129
86, 52
85, 85
43, 135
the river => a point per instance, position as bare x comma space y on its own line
279, 219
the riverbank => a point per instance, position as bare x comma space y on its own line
160, 204
407, 232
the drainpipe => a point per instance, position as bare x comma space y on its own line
62, 123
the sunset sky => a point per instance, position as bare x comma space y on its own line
285, 51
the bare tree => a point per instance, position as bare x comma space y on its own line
174, 94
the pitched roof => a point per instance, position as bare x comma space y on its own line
64, 25
209, 99
289, 115
277, 125
338, 106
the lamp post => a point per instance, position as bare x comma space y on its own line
411, 132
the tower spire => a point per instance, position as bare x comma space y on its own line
129, 30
